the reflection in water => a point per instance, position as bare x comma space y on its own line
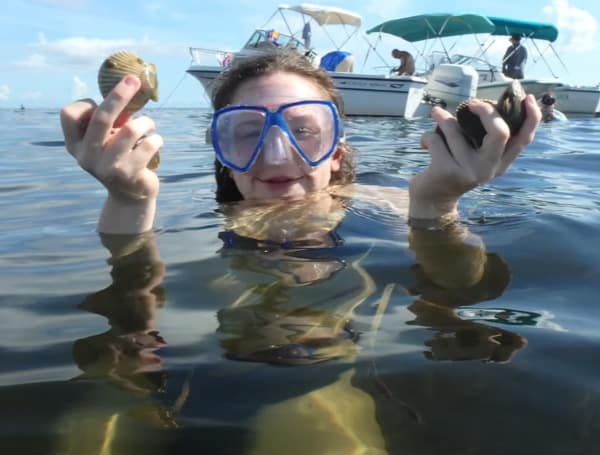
267, 332
126, 357
126, 354
454, 271
298, 298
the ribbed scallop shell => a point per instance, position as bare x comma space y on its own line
118, 65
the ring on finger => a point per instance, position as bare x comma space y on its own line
139, 141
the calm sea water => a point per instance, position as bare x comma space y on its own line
343, 347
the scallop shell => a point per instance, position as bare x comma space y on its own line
154, 162
118, 65
509, 106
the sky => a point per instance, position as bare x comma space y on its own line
51, 49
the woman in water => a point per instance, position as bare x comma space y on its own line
282, 170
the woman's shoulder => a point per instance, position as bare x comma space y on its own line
391, 197
556, 115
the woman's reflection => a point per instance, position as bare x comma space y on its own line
297, 298
126, 354
453, 270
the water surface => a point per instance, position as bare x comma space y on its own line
342, 345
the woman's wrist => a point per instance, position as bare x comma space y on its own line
433, 224
120, 216
427, 207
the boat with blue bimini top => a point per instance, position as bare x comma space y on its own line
363, 93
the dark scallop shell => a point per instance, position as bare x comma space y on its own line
509, 106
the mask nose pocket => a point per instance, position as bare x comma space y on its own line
276, 149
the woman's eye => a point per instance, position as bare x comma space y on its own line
305, 130
247, 134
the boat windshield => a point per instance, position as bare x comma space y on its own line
477, 63
266, 39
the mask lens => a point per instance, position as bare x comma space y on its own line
312, 127
237, 135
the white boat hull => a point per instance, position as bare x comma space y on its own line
537, 87
363, 94
578, 100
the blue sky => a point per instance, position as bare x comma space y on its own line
51, 49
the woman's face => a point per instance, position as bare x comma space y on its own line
290, 176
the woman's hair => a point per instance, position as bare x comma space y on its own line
280, 61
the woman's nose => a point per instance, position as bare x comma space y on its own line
276, 149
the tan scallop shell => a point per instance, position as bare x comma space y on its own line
118, 65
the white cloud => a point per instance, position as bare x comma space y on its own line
33, 62
577, 27
82, 52
79, 50
4, 92
79, 89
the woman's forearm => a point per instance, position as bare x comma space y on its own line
131, 217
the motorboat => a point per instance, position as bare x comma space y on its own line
362, 93
571, 99
492, 81
578, 99
448, 83
454, 78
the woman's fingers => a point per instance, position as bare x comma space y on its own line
105, 116
438, 152
146, 149
74, 119
525, 135
532, 120
460, 149
124, 141
497, 131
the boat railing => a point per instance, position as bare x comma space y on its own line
488, 72
261, 41
202, 56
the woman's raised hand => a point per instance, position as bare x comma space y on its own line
116, 149
456, 167
111, 146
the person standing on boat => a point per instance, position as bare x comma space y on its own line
514, 58
307, 35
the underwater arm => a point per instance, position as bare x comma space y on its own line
141, 249
451, 258
116, 150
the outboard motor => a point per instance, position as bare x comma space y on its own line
451, 84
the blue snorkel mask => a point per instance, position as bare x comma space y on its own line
240, 134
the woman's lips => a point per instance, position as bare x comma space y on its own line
280, 180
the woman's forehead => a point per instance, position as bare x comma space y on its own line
277, 88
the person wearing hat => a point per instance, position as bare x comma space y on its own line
548, 108
514, 58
